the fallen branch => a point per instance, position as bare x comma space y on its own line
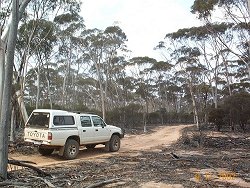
11, 183
174, 155
191, 160
99, 184
45, 181
38, 170
30, 162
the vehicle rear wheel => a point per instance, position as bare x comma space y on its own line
90, 146
71, 149
45, 151
114, 143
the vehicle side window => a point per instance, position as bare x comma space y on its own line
85, 121
97, 121
63, 120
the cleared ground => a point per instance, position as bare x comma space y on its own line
166, 156
161, 136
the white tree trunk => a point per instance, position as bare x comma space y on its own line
65, 79
50, 99
248, 3
38, 85
195, 110
5, 108
21, 104
12, 125
100, 81
2, 71
103, 100
248, 67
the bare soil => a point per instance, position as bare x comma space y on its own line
167, 156
160, 136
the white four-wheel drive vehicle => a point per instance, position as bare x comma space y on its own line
66, 131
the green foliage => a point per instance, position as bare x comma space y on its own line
203, 7
43, 34
142, 60
128, 116
161, 66
237, 108
154, 118
203, 32
66, 18
115, 33
217, 116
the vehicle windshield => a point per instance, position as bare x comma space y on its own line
38, 120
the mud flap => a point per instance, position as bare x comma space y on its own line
107, 146
61, 151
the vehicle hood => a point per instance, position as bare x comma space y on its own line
113, 127
118, 129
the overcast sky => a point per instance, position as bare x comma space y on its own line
145, 22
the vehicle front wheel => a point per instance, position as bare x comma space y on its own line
90, 146
114, 143
71, 149
45, 151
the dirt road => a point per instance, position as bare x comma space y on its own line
131, 144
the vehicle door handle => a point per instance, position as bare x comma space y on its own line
83, 130
96, 130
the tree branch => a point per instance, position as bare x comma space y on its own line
20, 163
99, 184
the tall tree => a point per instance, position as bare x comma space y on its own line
190, 69
236, 13
9, 36
101, 48
142, 72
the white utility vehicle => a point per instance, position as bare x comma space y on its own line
66, 131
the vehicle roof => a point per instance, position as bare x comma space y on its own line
61, 112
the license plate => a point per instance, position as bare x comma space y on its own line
36, 135
37, 143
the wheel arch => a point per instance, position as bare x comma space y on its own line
75, 137
118, 134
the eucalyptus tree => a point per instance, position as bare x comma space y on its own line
69, 25
9, 26
235, 12
114, 64
143, 74
29, 41
162, 72
87, 92
216, 57
118, 96
40, 47
31, 86
190, 68
101, 48
8, 42
36, 41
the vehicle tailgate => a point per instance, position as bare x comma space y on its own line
35, 134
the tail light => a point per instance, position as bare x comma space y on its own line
49, 136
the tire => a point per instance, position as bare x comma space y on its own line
90, 146
71, 149
114, 143
45, 151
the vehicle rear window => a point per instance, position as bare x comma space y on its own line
38, 120
63, 120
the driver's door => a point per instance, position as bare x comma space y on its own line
101, 132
